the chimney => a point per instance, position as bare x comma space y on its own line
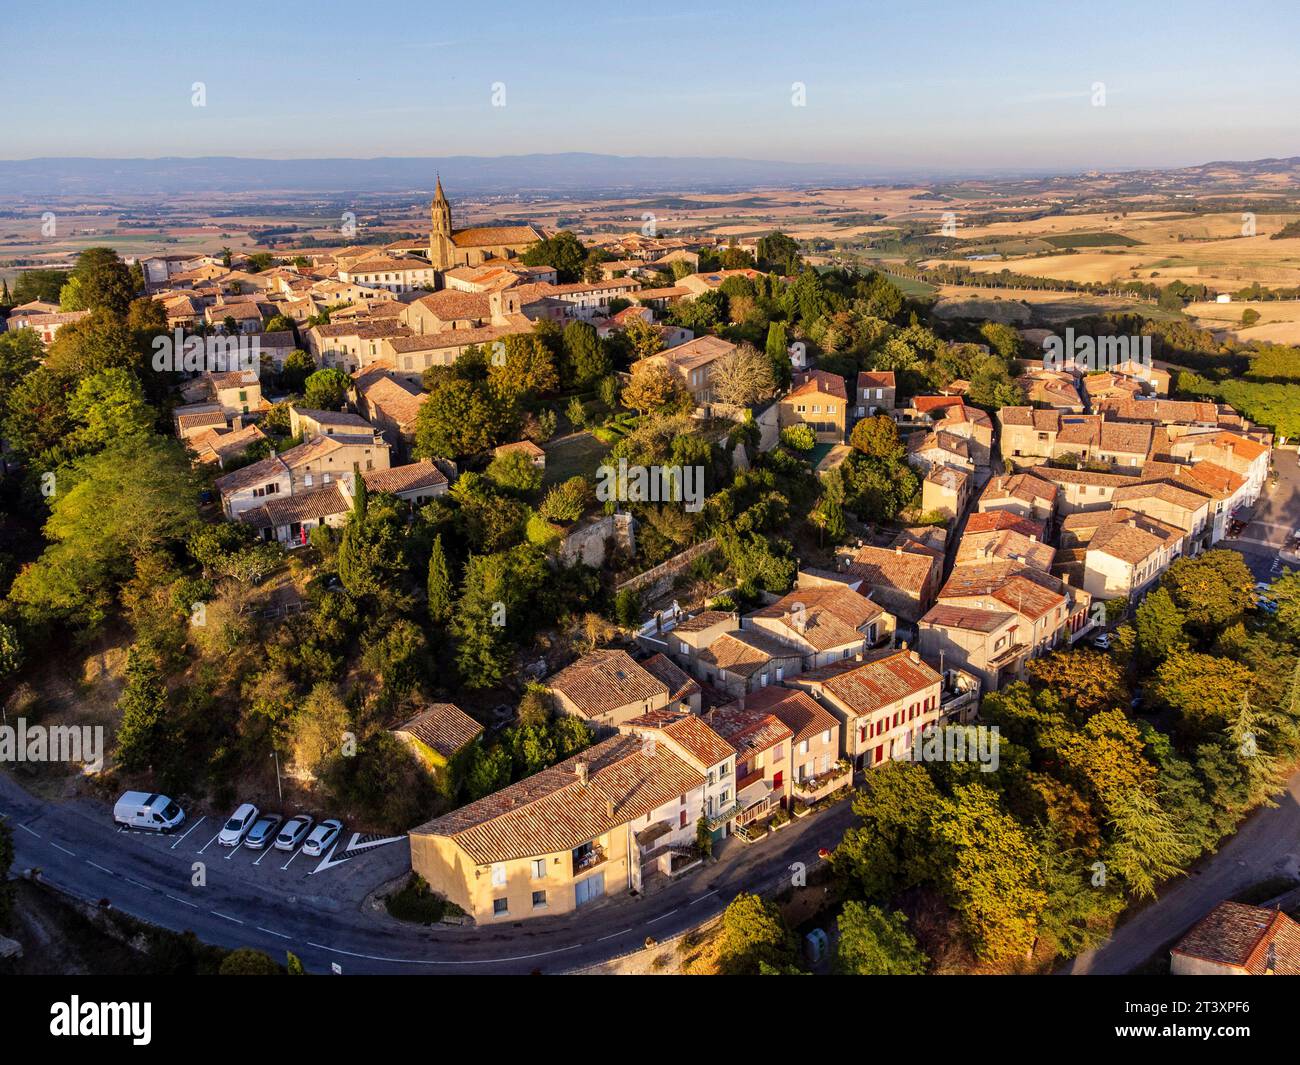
580, 770
898, 549
902, 645
914, 656
609, 808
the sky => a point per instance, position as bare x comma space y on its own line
915, 84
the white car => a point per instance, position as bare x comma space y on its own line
294, 831
232, 835
1102, 642
322, 837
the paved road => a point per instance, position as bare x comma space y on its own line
1266, 845
1277, 514
315, 908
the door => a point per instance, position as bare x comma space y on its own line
778, 779
591, 888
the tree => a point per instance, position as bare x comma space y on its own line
248, 962
1212, 591
458, 419
875, 943
495, 611
643, 338
890, 847
11, 651
704, 837
1148, 847
563, 251
528, 367
567, 501
753, 935
326, 389
298, 366
142, 731
1205, 689
371, 561
102, 282
742, 377
317, 728
654, 387
111, 408
514, 471
1159, 626
439, 584
587, 360
877, 437
1088, 680
801, 437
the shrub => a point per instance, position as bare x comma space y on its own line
799, 437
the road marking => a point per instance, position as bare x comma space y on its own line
188, 831
291, 858
613, 934
701, 898
27, 830
263, 855
328, 862
209, 843
137, 883
662, 916
234, 850
433, 961
270, 933
100, 867
355, 846
184, 902
64, 849
236, 920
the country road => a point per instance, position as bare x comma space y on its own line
1266, 845
317, 909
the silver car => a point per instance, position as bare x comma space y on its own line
294, 832
232, 835
322, 837
263, 831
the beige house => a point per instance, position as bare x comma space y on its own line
820, 400
693, 363
946, 490
1022, 494
438, 733
1122, 560
1235, 939
609, 688
824, 624
815, 767
989, 644
310, 424
761, 742
881, 704
902, 580
1047, 607
876, 393
388, 404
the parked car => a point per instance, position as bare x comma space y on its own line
232, 835
263, 831
294, 832
147, 810
1102, 641
322, 837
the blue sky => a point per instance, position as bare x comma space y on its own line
905, 84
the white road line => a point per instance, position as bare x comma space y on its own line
27, 830
100, 868
236, 920
701, 898
613, 935
270, 933
137, 883
235, 850
431, 961
184, 902
661, 917
291, 858
64, 849
188, 831
263, 855
208, 844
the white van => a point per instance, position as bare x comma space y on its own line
140, 809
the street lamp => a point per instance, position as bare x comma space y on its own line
279, 791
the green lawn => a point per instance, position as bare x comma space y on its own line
572, 456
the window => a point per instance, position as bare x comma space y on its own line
539, 900
306, 480
826, 736
777, 752
725, 797
499, 874
724, 770
539, 869
500, 907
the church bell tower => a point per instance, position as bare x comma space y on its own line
440, 245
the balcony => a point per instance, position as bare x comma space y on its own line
811, 789
587, 857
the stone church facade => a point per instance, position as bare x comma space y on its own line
450, 248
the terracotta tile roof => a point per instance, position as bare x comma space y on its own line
703, 620
875, 379
925, 404
1243, 447
1028, 487
216, 446
810, 382
694, 353
1025, 590
962, 413
949, 477
997, 520
315, 504
1215, 477
745, 651
1245, 937
451, 305
892, 568
389, 263
444, 727
553, 811
747, 729
526, 446
1130, 439
831, 616
335, 417
1163, 490
970, 618
391, 399
690, 732
201, 417
603, 681
267, 469
1124, 542
1090, 477
406, 478
680, 685
797, 710
1004, 544
866, 687
491, 236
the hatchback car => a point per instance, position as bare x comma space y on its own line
263, 831
322, 837
294, 832
232, 835
1102, 642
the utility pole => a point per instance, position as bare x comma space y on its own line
278, 790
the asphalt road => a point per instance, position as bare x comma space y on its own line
1277, 514
1266, 845
316, 908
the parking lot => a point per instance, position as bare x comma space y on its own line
1276, 517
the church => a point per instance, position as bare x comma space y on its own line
450, 248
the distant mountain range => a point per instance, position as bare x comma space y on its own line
564, 173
